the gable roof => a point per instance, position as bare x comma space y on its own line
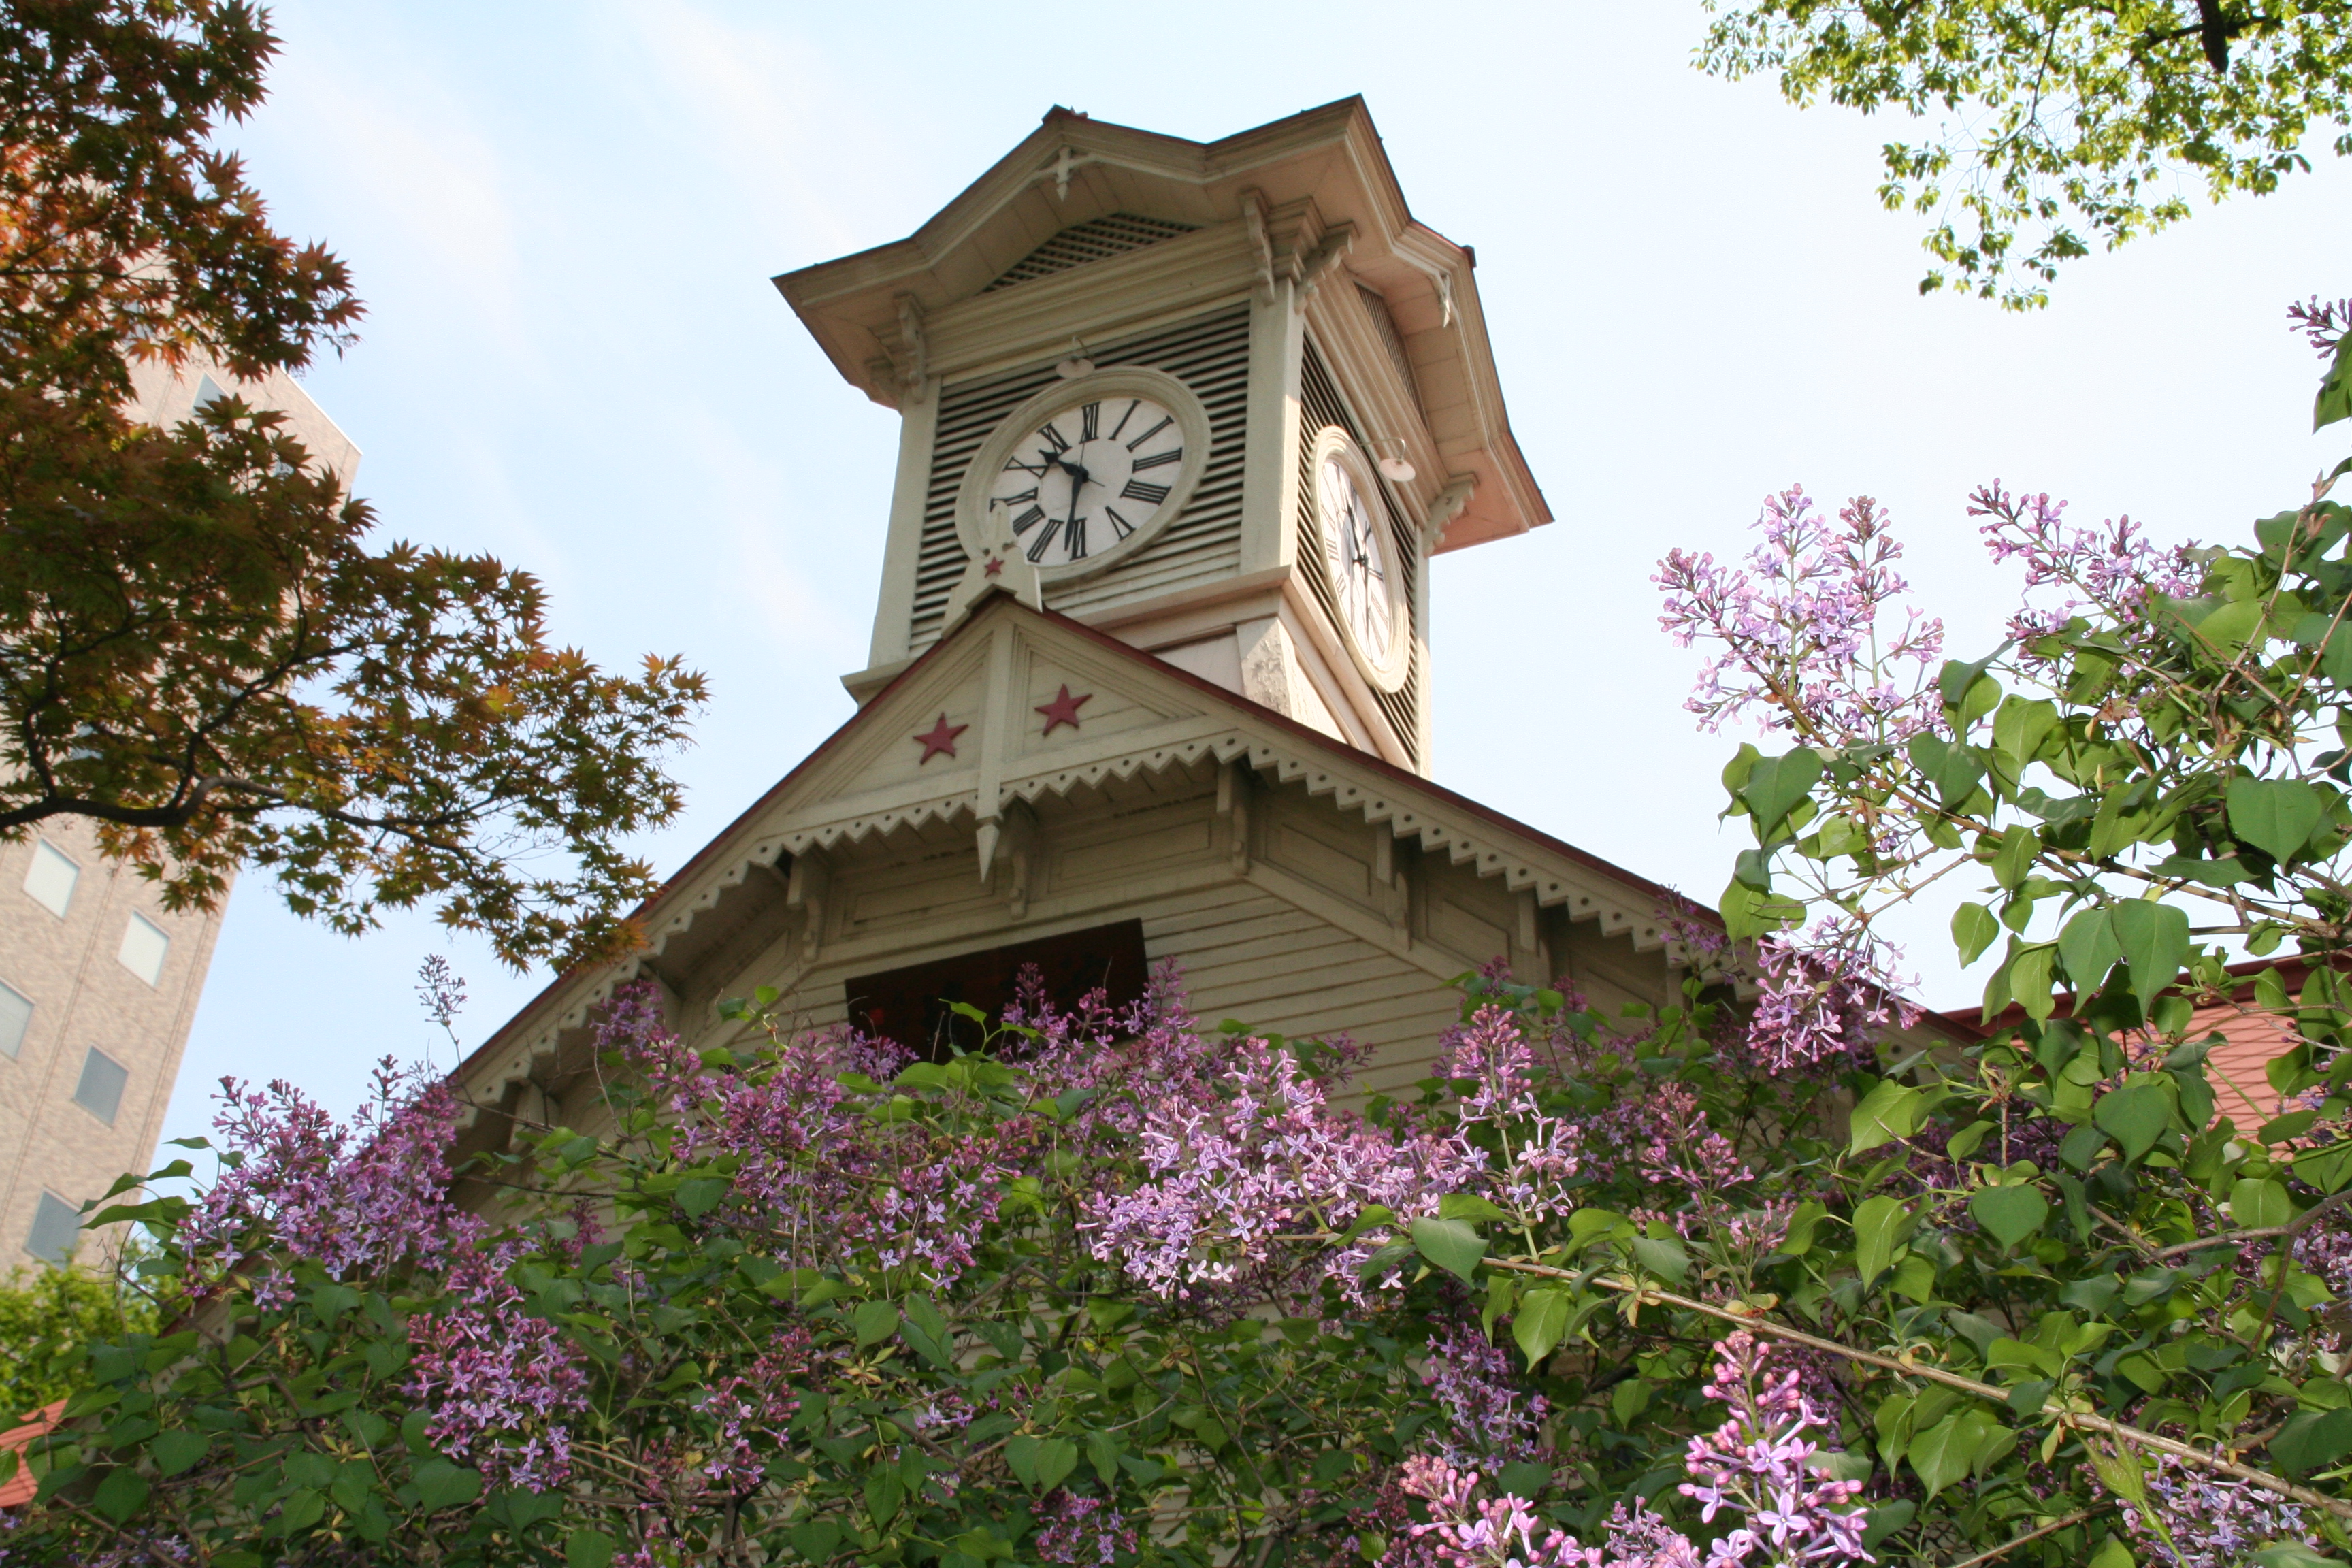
1279, 201
867, 778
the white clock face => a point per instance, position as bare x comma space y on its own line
1088, 478
1358, 561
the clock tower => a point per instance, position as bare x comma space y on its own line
1224, 401
1183, 425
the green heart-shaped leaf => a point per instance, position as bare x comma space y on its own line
1775, 785
1451, 1244
2314, 1438
1539, 1323
1879, 1226
2155, 942
586, 1548
876, 1321
1887, 1112
2019, 727
2009, 1214
2134, 1116
1973, 931
179, 1449
2255, 1204
2089, 949
2275, 816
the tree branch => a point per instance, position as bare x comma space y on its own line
1986, 1390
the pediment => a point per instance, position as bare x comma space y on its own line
997, 678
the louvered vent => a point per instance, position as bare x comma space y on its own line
1321, 405
1090, 241
1210, 355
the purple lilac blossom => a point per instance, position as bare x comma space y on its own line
1825, 1000
1487, 1420
2112, 569
1083, 1530
2210, 1523
1800, 624
1226, 1179
1760, 1464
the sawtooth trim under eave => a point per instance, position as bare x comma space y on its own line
1465, 831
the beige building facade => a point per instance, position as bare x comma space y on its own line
99, 983
1181, 426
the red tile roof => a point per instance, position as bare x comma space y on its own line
2251, 1039
20, 1487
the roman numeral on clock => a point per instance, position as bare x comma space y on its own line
1029, 520
1074, 539
1055, 438
1174, 454
1037, 547
1137, 489
1131, 407
1089, 421
1022, 499
1148, 435
1119, 525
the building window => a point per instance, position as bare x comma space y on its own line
145, 946
100, 1092
916, 1006
16, 1020
57, 1229
50, 877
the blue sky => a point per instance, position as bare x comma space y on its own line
564, 218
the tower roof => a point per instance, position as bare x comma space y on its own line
1298, 195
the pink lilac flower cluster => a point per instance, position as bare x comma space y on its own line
2322, 323
1809, 626
1226, 1180
496, 1377
1086, 1529
1487, 1419
2210, 1523
760, 1403
1760, 1464
1541, 1153
811, 1168
1825, 1000
2111, 568
1468, 1531
370, 1198
366, 1197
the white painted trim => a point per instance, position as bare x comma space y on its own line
894, 611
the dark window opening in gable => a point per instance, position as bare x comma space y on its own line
914, 1005
1093, 240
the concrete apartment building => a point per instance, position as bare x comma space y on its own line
99, 983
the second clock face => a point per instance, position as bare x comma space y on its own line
1357, 558
1090, 478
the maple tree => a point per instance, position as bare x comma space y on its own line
204, 650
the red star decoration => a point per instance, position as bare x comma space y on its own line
1062, 709
995, 567
942, 741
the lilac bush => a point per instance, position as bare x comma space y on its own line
1760, 1272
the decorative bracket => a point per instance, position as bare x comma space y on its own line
919, 349
811, 880
1337, 241
1234, 786
1254, 214
1447, 504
